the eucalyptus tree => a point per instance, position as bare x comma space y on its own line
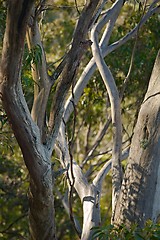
38, 138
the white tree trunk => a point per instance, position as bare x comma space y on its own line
140, 193
91, 213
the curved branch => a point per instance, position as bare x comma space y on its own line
115, 110
42, 82
98, 180
79, 44
91, 66
80, 181
25, 130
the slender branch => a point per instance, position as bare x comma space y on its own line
14, 222
108, 49
70, 194
87, 136
97, 142
132, 57
81, 184
72, 180
97, 14
115, 109
42, 83
58, 70
98, 180
65, 203
79, 44
76, 6
91, 66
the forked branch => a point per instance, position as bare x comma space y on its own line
74, 55
105, 49
42, 83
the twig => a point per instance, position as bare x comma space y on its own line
96, 144
72, 180
105, 169
132, 56
77, 7
14, 222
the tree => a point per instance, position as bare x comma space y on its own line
37, 138
140, 187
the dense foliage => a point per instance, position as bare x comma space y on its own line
149, 232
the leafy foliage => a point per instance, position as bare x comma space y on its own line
2, 20
34, 56
13, 199
149, 232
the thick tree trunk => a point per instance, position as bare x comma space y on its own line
27, 133
140, 193
41, 215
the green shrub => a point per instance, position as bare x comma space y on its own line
150, 231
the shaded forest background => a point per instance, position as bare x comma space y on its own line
57, 26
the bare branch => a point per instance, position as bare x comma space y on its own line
81, 184
79, 44
58, 70
97, 14
65, 203
91, 66
106, 50
97, 142
98, 180
115, 108
42, 83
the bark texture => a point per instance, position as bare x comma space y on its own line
29, 129
42, 226
139, 196
79, 45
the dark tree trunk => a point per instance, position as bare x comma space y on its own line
41, 215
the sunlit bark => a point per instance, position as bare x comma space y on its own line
139, 198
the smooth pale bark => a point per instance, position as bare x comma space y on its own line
115, 105
41, 201
91, 212
91, 66
139, 198
89, 194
